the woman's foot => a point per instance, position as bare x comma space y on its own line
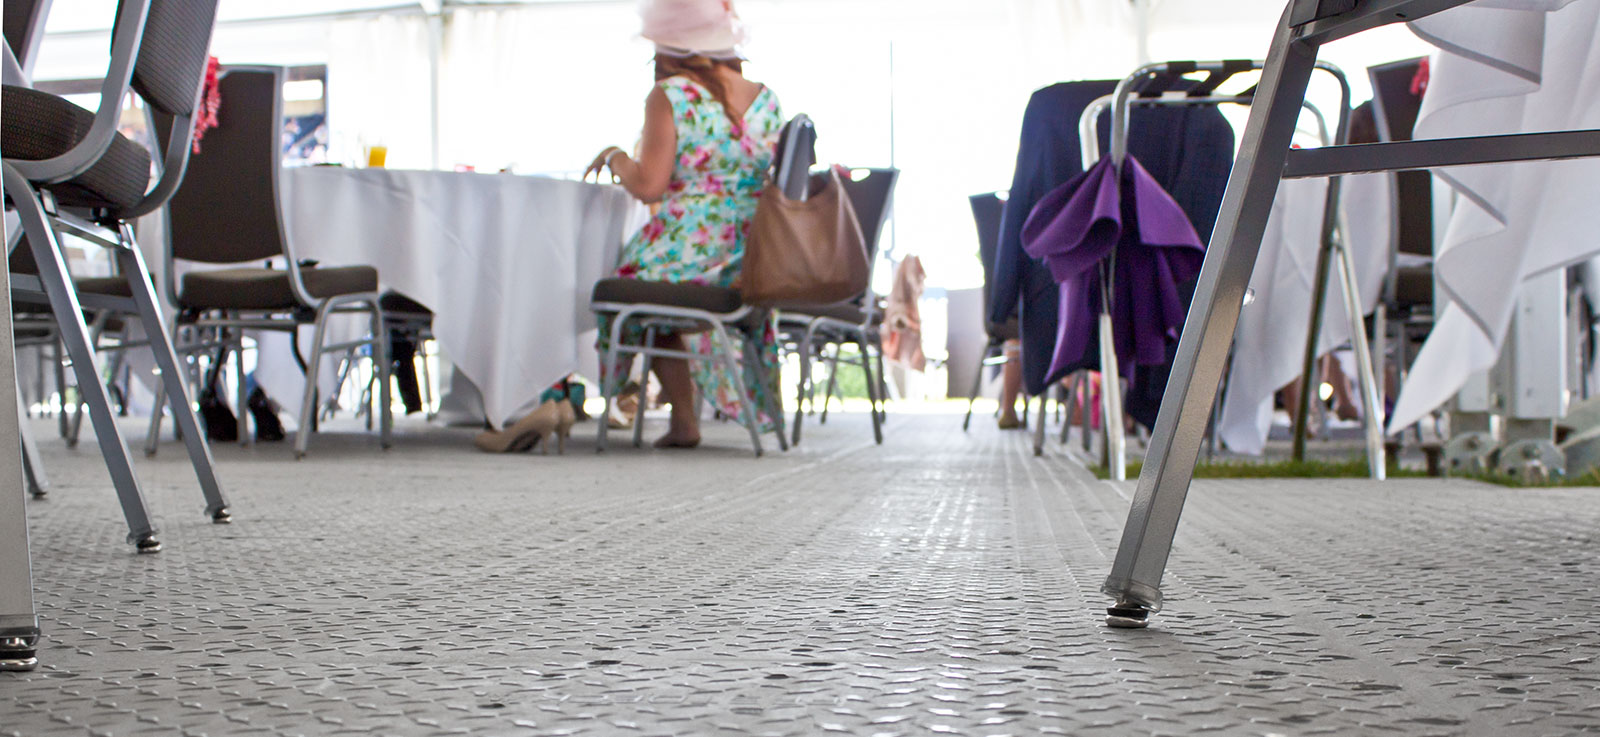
1010, 421
677, 440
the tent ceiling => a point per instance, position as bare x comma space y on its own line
72, 16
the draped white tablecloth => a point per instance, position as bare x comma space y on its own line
1505, 66
1269, 346
506, 263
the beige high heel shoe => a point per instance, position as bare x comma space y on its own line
568, 418
526, 433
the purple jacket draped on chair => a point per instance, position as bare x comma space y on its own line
1078, 225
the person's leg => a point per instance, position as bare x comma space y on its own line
677, 386
403, 357
1344, 404
1011, 385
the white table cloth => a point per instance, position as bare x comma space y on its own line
1505, 66
506, 263
1269, 345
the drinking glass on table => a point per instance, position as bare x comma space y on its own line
377, 156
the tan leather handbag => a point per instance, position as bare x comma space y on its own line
804, 252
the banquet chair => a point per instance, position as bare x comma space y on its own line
406, 319
1265, 157
987, 211
657, 307
227, 214
68, 170
814, 328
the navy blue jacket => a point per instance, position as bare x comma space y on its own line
1189, 151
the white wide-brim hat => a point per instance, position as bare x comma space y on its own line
692, 27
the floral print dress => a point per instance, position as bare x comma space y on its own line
699, 232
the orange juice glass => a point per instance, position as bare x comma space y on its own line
377, 156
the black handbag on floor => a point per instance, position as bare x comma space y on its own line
221, 425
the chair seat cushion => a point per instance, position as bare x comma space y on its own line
1008, 331
110, 286
1414, 287
37, 125
268, 289
719, 300
849, 312
397, 303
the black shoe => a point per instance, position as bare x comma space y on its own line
268, 428
221, 426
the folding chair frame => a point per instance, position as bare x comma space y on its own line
657, 317
1265, 158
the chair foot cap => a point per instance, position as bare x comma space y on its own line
1127, 618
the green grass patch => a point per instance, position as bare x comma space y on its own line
1592, 478
1354, 468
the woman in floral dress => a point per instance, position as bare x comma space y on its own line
709, 138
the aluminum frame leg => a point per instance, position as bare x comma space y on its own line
977, 385
875, 386
38, 483
57, 283
752, 420
752, 357
131, 263
803, 391
1135, 578
610, 385
1040, 422
1373, 414
308, 398
1111, 403
833, 383
650, 335
19, 621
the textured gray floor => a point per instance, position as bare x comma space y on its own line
941, 584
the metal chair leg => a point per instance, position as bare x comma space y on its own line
63, 423
874, 388
380, 355
308, 400
644, 383
75, 335
833, 383
32, 465
752, 358
977, 385
752, 420
1135, 579
1041, 420
131, 263
19, 621
241, 396
610, 383
803, 391
428, 402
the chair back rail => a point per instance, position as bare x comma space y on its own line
24, 29
227, 210
988, 210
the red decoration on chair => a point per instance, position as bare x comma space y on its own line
210, 101
1419, 83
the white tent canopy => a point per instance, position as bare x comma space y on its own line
935, 87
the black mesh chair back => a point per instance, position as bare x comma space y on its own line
1396, 108
871, 196
987, 212
172, 54
24, 28
227, 210
796, 154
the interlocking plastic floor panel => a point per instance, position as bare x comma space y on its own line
941, 584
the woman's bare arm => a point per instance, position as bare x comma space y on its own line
647, 177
